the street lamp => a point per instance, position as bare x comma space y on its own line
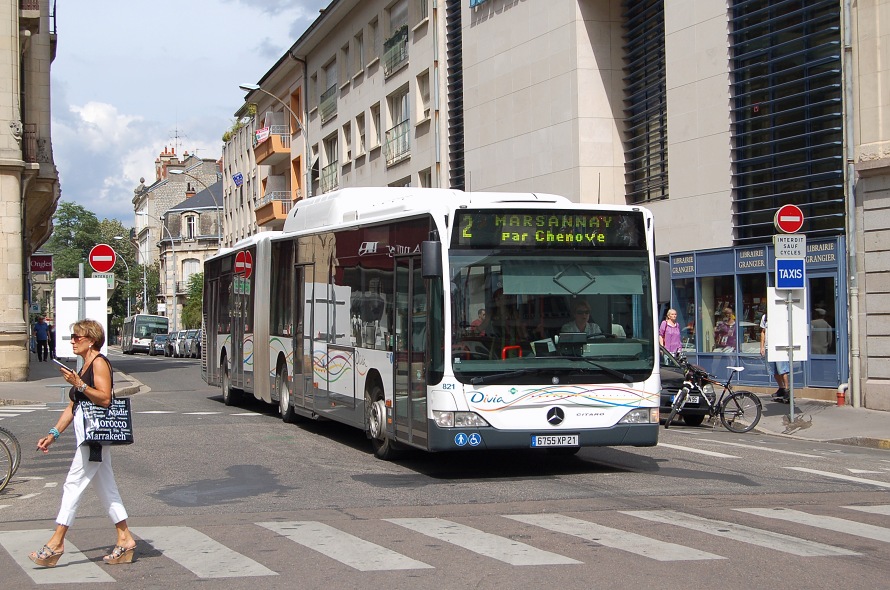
307, 164
173, 250
127, 266
212, 196
144, 283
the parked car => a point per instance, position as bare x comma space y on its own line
695, 410
178, 343
188, 343
195, 347
158, 345
170, 343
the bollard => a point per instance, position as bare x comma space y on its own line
842, 395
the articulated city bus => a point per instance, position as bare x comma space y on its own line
138, 331
443, 320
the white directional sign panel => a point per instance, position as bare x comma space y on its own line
67, 295
777, 330
790, 245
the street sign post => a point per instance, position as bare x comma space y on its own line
790, 273
102, 258
790, 245
789, 219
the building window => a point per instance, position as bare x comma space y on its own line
718, 320
788, 116
373, 41
358, 53
395, 48
191, 227
397, 146
425, 178
359, 135
423, 96
645, 92
375, 126
347, 144
345, 62
330, 177
328, 100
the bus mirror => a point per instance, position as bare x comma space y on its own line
431, 260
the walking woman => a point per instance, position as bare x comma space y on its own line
92, 462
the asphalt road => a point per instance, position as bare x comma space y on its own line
226, 497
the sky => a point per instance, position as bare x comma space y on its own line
132, 77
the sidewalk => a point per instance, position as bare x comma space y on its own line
813, 419
46, 386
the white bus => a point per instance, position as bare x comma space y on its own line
138, 331
362, 311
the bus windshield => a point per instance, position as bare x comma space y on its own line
531, 316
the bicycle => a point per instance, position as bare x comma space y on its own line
739, 411
10, 455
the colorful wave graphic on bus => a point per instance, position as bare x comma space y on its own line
576, 395
331, 367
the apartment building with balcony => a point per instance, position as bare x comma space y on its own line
712, 115
29, 180
239, 177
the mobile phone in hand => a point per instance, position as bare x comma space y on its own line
63, 365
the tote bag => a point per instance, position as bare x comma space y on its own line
109, 426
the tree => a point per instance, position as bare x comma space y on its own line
74, 235
191, 311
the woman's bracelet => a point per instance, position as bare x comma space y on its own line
55, 432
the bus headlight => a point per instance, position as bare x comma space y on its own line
458, 419
641, 416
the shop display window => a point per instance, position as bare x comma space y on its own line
822, 316
752, 289
717, 320
684, 296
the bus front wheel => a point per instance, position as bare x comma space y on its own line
375, 419
285, 407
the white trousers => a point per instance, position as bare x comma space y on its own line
82, 472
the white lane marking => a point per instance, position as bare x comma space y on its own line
486, 544
156, 412
78, 568
20, 408
761, 448
873, 482
343, 547
246, 414
200, 554
29, 496
699, 451
51, 484
742, 533
614, 538
880, 509
2, 506
200, 413
7, 415
862, 471
830, 523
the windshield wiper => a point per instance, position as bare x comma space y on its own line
500, 376
613, 372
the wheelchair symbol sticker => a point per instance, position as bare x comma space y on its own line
475, 440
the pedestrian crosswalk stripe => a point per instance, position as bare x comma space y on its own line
873, 482
614, 538
78, 567
880, 509
759, 448
343, 547
156, 412
487, 544
742, 533
7, 415
199, 553
831, 523
200, 413
699, 451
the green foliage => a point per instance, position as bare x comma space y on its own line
191, 311
74, 234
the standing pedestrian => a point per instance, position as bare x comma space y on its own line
41, 334
669, 332
92, 461
779, 369
51, 340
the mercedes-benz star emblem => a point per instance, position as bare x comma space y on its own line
555, 416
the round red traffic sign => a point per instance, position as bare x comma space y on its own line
102, 257
789, 219
243, 264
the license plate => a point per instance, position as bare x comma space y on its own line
555, 440
692, 399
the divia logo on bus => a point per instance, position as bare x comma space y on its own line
380, 247
611, 229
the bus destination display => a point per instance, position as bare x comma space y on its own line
567, 230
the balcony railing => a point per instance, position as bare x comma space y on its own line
329, 178
395, 50
328, 103
397, 146
273, 207
283, 196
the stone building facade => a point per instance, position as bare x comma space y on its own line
29, 181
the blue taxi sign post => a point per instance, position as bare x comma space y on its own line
790, 273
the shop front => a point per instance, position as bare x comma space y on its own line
720, 298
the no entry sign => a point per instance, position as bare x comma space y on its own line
789, 219
102, 257
244, 264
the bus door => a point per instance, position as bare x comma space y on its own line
411, 344
210, 349
242, 327
301, 388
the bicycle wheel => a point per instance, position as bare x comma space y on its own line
15, 449
676, 405
5, 465
741, 411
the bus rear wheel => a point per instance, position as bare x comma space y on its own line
229, 395
285, 407
375, 421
